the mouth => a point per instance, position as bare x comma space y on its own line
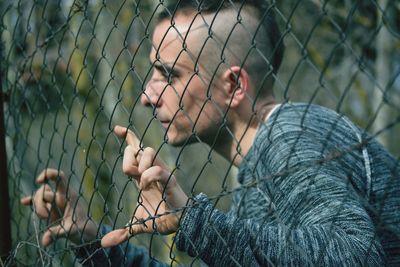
165, 124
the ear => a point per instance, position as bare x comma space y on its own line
237, 82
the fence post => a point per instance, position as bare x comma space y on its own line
5, 221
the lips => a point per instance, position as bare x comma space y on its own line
165, 124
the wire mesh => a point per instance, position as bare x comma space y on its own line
73, 69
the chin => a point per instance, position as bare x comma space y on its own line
179, 141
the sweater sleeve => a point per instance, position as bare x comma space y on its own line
125, 254
330, 233
318, 216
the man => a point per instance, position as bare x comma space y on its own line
315, 189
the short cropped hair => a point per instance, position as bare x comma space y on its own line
268, 38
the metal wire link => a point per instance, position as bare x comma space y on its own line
72, 70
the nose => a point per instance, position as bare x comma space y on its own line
151, 96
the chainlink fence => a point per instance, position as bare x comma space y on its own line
72, 69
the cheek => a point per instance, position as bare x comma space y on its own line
191, 101
171, 98
193, 106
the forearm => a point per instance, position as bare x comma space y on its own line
223, 240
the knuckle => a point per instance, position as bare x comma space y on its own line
127, 150
158, 170
130, 169
126, 169
149, 152
42, 212
46, 187
149, 149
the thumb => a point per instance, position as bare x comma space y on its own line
52, 234
26, 200
115, 238
119, 236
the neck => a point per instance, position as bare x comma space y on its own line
236, 142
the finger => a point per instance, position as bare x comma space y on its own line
52, 234
54, 175
173, 193
40, 202
47, 196
26, 200
154, 174
128, 135
119, 236
147, 159
48, 206
115, 238
129, 162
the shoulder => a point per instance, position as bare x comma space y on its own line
305, 119
302, 114
299, 132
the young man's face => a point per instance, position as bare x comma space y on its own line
179, 89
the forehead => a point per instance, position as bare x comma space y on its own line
178, 41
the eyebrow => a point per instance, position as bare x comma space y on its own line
166, 69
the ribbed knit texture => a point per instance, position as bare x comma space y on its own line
315, 190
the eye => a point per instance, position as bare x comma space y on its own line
165, 73
171, 77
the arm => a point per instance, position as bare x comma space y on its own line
318, 215
318, 220
332, 230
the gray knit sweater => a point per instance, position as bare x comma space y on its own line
315, 190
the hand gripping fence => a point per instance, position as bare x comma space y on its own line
71, 70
